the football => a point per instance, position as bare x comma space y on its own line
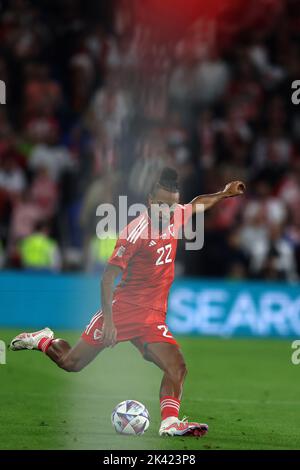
130, 417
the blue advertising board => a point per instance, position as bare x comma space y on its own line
225, 308
37, 300
196, 307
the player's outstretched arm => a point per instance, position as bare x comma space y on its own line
109, 333
200, 203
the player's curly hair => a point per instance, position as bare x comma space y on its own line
168, 180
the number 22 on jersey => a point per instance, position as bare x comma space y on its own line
164, 255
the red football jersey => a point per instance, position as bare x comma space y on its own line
147, 263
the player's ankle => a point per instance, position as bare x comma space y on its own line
169, 407
169, 419
44, 344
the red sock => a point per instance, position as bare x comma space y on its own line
169, 406
44, 344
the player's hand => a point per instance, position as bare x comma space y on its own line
109, 333
235, 188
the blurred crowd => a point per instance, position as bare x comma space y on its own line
98, 103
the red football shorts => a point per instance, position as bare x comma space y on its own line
133, 323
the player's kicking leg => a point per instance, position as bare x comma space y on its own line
71, 359
168, 357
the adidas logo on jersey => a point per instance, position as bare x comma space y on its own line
152, 243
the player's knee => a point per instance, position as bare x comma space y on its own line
178, 372
70, 364
182, 371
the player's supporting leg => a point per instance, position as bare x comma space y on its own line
170, 360
71, 359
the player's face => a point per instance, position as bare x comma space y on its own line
162, 204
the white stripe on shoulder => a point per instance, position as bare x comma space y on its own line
135, 230
141, 229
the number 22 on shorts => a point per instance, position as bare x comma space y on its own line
165, 331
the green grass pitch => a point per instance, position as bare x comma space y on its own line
246, 390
